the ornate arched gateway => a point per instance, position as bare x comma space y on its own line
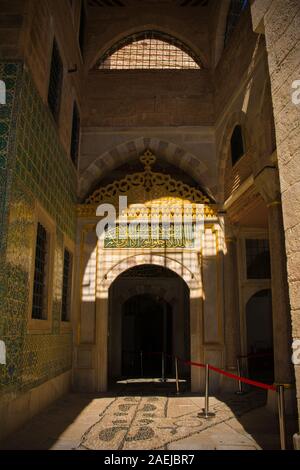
192, 247
148, 313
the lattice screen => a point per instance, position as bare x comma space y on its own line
148, 53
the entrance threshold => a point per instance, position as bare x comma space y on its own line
147, 380
148, 386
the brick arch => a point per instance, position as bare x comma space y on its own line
192, 279
237, 118
173, 27
129, 150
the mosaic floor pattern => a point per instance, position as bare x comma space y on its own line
130, 419
156, 422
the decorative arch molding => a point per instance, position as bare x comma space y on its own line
237, 118
147, 288
143, 187
252, 291
192, 279
132, 149
172, 28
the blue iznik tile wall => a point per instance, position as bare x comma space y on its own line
33, 166
12, 76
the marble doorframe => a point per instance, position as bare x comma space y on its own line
173, 291
192, 279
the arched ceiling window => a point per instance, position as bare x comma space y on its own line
237, 145
149, 50
235, 10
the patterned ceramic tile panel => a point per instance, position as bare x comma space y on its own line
41, 161
44, 356
11, 75
40, 170
13, 308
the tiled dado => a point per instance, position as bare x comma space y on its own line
41, 161
33, 167
12, 76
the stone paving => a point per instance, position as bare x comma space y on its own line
131, 419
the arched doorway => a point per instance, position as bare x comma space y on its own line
260, 336
148, 314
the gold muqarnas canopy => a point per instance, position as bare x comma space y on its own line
149, 188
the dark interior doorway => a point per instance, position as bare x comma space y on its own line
149, 313
260, 337
146, 332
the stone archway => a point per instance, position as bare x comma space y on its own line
187, 273
132, 149
105, 281
131, 294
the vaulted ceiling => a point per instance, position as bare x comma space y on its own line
190, 21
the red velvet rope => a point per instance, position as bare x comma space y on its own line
233, 376
220, 371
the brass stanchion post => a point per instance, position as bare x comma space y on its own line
205, 412
177, 378
281, 416
240, 391
163, 379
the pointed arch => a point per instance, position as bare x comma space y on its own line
192, 279
130, 150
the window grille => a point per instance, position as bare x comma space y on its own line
75, 135
67, 285
258, 259
39, 302
55, 82
149, 50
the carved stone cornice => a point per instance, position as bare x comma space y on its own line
267, 183
246, 203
